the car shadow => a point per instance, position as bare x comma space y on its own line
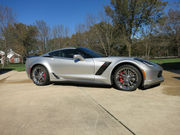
149, 87
171, 67
177, 78
80, 84
90, 85
174, 71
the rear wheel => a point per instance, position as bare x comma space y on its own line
40, 75
127, 77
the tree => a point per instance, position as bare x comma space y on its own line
24, 38
146, 35
130, 15
100, 30
169, 30
59, 33
103, 32
7, 18
43, 34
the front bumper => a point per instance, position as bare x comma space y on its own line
153, 76
150, 83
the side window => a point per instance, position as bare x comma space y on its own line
83, 54
68, 53
56, 53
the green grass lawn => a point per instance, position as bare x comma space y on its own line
168, 64
161, 61
17, 67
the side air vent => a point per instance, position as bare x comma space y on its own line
103, 68
55, 76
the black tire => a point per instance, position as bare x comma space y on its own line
40, 75
127, 77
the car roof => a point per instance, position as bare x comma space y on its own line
67, 48
61, 49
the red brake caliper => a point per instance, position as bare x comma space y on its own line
121, 78
44, 75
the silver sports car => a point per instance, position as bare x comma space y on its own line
84, 65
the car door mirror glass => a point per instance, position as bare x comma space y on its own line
78, 57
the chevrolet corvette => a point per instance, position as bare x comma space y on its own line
79, 64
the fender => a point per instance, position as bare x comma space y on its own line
43, 63
117, 64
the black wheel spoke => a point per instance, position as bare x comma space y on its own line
126, 78
38, 76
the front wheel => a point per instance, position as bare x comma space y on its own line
127, 77
40, 75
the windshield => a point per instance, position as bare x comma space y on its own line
91, 53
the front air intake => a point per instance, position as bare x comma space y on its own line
160, 74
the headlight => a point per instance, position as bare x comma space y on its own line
145, 61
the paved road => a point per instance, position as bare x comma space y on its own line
68, 109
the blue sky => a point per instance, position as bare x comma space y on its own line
67, 12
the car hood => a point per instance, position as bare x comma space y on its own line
113, 58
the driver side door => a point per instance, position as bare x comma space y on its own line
68, 68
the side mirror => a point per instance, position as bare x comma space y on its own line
78, 57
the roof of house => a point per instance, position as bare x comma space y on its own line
12, 53
2, 53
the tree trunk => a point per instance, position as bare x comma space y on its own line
129, 44
130, 50
101, 42
23, 59
6, 50
44, 46
148, 53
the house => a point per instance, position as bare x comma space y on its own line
14, 57
2, 55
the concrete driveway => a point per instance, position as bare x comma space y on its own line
68, 109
